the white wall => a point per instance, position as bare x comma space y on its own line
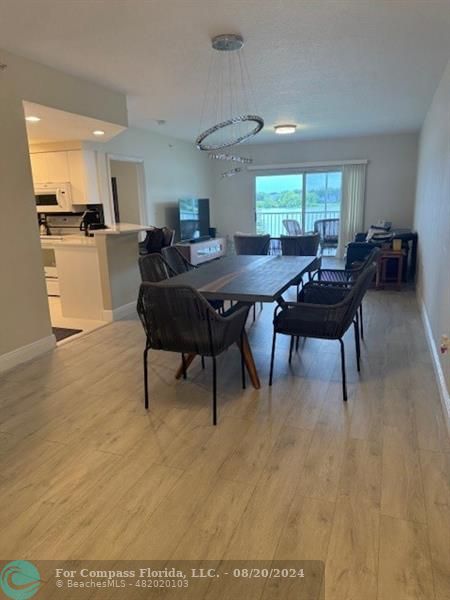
391, 177
24, 315
432, 216
126, 174
173, 170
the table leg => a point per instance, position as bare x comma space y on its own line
249, 362
188, 360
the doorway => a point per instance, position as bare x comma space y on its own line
127, 190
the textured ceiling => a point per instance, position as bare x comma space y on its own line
337, 67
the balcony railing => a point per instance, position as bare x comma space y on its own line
271, 220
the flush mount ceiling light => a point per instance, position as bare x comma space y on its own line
98, 132
32, 119
285, 129
229, 114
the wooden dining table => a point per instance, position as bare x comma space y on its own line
244, 279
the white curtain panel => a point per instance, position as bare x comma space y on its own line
352, 205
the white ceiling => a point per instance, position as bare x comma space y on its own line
338, 67
58, 125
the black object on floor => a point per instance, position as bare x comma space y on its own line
61, 333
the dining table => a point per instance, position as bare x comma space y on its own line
244, 278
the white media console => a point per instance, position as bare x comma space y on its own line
201, 252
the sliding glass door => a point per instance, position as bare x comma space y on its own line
312, 198
278, 197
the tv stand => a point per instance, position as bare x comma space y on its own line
203, 238
199, 252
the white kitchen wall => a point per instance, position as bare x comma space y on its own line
432, 216
391, 177
173, 169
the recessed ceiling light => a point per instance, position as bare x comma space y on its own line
98, 132
285, 129
32, 119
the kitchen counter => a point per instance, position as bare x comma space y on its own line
122, 228
98, 276
53, 241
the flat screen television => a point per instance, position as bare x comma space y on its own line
194, 219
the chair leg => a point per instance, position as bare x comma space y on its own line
291, 347
261, 305
214, 405
361, 324
203, 362
146, 379
242, 363
183, 360
272, 357
357, 346
297, 343
344, 380
254, 313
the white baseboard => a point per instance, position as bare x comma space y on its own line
25, 353
442, 384
127, 310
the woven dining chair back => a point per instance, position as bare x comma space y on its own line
176, 260
154, 268
255, 245
300, 245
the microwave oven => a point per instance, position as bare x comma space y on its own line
53, 197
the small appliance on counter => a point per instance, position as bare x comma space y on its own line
91, 220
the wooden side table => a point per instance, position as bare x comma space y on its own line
388, 255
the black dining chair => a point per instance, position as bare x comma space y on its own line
252, 245
347, 278
255, 245
179, 264
324, 313
179, 319
175, 259
302, 245
154, 268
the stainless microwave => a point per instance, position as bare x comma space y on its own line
53, 197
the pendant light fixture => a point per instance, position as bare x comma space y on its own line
228, 114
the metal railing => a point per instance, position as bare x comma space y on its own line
271, 220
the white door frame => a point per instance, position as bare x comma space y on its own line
142, 189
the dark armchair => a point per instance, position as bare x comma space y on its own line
179, 319
325, 313
156, 239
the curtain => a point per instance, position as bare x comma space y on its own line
352, 205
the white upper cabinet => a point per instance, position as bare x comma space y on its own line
79, 167
83, 176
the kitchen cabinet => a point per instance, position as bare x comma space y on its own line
79, 167
83, 176
49, 167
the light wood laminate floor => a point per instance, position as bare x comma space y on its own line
290, 472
